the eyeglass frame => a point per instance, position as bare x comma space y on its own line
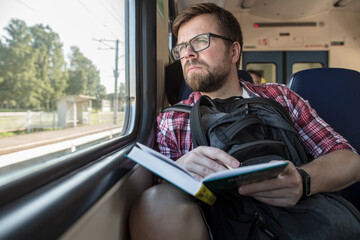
208, 34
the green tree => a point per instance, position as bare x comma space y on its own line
32, 67
50, 65
17, 68
122, 96
100, 95
33, 71
84, 78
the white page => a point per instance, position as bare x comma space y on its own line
162, 157
177, 176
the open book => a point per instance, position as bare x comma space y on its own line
215, 183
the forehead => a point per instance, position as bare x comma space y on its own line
197, 25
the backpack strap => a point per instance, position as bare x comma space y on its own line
198, 135
280, 108
179, 107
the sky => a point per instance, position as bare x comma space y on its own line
91, 25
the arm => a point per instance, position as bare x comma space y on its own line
329, 173
335, 166
334, 171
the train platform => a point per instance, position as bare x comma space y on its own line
31, 140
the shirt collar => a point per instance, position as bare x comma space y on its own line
194, 96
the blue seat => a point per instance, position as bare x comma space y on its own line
333, 93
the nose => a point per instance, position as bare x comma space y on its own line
189, 52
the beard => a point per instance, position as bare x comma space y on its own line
211, 81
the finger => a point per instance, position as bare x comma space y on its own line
219, 155
278, 202
288, 170
288, 193
287, 179
265, 186
203, 171
199, 164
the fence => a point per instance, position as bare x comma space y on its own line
17, 121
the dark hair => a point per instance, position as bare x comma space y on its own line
228, 25
254, 72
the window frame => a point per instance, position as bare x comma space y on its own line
82, 178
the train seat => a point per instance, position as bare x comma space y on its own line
333, 93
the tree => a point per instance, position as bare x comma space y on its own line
50, 65
84, 78
32, 66
122, 96
33, 71
100, 95
17, 66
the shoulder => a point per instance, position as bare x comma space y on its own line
178, 117
275, 91
268, 89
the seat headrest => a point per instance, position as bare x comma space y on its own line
333, 93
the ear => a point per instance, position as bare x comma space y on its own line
236, 52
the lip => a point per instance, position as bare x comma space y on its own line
193, 68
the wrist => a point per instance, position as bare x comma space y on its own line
306, 182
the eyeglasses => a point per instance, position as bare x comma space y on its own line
197, 44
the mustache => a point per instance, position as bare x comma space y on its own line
195, 62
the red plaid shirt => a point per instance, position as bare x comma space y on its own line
173, 137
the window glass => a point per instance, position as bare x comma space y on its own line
296, 67
63, 84
266, 70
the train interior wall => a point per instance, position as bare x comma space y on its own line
336, 31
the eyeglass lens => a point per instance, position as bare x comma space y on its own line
198, 43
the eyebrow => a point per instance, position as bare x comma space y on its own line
190, 38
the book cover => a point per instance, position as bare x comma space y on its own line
213, 184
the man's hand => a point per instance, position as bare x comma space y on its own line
283, 191
204, 160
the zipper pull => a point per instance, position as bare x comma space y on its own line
261, 225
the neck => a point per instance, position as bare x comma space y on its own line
231, 88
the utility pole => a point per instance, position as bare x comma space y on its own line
116, 73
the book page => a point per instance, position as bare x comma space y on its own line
162, 157
171, 172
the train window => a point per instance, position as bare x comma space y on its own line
63, 79
267, 71
296, 67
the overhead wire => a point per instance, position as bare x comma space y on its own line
111, 11
97, 19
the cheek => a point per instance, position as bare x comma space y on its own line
216, 57
182, 61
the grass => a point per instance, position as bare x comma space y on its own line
21, 132
13, 133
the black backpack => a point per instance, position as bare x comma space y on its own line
253, 130
256, 130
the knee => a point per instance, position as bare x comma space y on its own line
158, 201
165, 210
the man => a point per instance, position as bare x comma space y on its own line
209, 48
256, 76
